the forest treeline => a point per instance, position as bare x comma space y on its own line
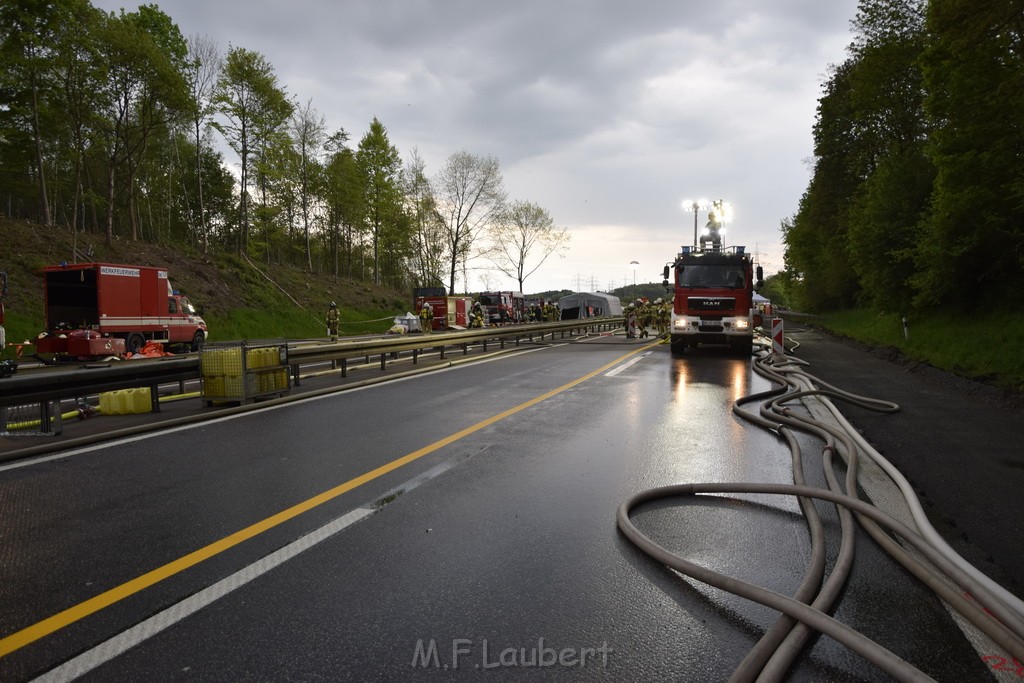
917, 194
111, 125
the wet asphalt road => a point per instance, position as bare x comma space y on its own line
486, 541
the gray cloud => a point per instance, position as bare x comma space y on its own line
606, 113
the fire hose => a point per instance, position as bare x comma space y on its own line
991, 609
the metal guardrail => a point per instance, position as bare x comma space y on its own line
93, 378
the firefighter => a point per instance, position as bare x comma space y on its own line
426, 318
332, 321
477, 315
661, 316
712, 232
643, 317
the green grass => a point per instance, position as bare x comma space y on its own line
987, 347
281, 322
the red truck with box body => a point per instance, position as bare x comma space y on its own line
106, 309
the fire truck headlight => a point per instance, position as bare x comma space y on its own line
680, 323
742, 325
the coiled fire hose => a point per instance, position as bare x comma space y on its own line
993, 610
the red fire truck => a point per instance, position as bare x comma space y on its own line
449, 312
105, 309
503, 307
713, 299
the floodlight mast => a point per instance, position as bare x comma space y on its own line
696, 206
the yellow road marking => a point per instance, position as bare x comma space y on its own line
43, 628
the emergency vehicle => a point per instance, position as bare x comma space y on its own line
106, 309
450, 312
713, 303
512, 303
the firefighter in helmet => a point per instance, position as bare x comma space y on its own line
631, 331
332, 321
477, 314
426, 318
643, 317
661, 317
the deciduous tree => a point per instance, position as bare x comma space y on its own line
252, 102
379, 164
201, 72
523, 236
468, 192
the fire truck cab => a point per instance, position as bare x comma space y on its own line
713, 302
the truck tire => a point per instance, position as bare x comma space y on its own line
678, 345
134, 342
198, 340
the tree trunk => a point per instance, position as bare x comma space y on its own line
110, 205
199, 180
44, 204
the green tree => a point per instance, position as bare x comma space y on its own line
854, 234
142, 92
78, 65
345, 196
816, 241
380, 163
30, 32
428, 234
973, 239
886, 97
249, 98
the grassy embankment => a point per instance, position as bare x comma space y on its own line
986, 347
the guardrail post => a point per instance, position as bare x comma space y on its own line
383, 361
56, 419
415, 356
502, 343
465, 349
485, 345
344, 367
154, 397
442, 352
295, 375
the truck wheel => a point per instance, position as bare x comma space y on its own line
134, 343
198, 340
678, 346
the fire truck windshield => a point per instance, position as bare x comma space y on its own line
712, 276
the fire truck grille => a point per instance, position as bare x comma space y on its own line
705, 303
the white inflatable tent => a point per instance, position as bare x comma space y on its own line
588, 305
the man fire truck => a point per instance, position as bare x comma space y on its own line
713, 304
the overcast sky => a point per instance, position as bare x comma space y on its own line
607, 114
